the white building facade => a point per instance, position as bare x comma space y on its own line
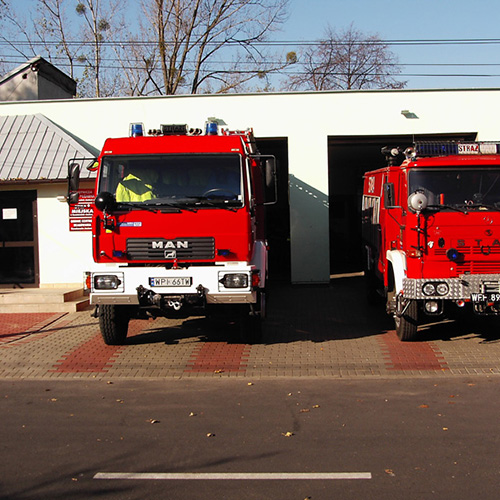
321, 137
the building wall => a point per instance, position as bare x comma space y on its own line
305, 119
21, 87
64, 255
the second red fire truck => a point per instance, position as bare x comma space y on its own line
179, 226
431, 231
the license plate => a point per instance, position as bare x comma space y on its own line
485, 297
169, 281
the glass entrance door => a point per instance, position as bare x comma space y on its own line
18, 239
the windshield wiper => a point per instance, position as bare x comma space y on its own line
215, 202
479, 205
450, 207
138, 206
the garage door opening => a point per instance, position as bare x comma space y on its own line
278, 215
348, 159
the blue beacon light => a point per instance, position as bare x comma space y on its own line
136, 130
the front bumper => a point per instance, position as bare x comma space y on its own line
138, 285
466, 287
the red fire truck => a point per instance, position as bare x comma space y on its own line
178, 227
431, 231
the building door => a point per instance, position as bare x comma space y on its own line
18, 239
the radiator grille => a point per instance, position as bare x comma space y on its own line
177, 249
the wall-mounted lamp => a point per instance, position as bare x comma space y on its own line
409, 114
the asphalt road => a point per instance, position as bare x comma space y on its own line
404, 438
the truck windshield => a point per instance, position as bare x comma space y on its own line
197, 180
458, 187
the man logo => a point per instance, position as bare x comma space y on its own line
169, 244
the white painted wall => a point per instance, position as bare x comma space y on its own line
306, 119
63, 254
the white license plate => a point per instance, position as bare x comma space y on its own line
170, 281
485, 297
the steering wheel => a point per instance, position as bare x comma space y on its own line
230, 194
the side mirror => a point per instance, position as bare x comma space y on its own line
73, 182
389, 201
105, 202
270, 181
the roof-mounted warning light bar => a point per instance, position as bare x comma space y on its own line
446, 148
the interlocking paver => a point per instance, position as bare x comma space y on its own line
310, 332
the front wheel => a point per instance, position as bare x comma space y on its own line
406, 320
113, 322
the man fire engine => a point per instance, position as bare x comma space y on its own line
178, 227
431, 231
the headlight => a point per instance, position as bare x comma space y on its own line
429, 289
442, 289
237, 280
106, 282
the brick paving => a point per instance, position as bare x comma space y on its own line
322, 331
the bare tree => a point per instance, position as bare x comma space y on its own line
202, 41
347, 60
54, 29
97, 30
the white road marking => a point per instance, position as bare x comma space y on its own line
240, 476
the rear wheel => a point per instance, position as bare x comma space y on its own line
113, 322
406, 320
251, 320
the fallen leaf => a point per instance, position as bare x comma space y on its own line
219, 371
287, 434
250, 383
424, 406
119, 400
316, 406
390, 472
304, 410
210, 435
445, 428
54, 400
153, 421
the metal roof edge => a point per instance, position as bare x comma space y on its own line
257, 94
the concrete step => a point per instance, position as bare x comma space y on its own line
42, 300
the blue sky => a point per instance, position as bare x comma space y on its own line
408, 20
413, 20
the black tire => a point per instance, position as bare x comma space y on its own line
113, 322
407, 323
250, 327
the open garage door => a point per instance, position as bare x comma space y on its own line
349, 157
278, 215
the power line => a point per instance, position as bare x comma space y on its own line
229, 42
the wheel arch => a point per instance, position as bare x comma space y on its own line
397, 260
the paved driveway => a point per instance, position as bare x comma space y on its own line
315, 331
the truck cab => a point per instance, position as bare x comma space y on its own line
179, 227
431, 231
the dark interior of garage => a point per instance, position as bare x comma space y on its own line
349, 157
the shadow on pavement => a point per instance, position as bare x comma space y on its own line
316, 313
